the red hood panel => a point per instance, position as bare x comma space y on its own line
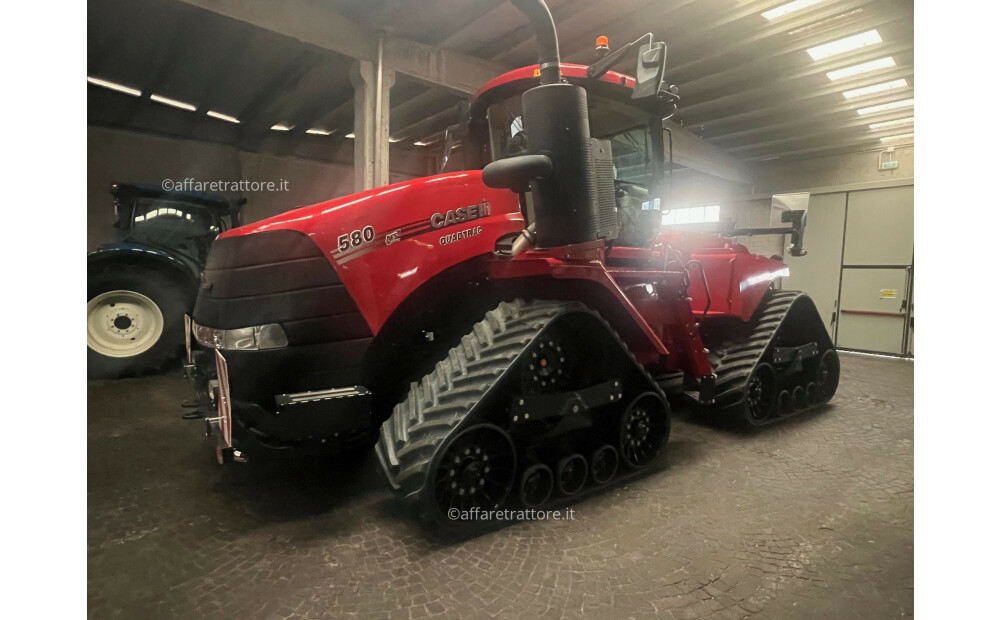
386, 242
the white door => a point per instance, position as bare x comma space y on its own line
818, 272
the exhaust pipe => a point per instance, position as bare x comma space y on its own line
545, 34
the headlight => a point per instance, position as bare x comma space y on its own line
258, 337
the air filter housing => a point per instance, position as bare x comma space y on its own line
558, 126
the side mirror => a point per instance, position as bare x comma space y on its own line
649, 70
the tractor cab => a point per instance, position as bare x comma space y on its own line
183, 223
627, 134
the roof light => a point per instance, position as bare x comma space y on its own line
350, 135
901, 136
846, 44
114, 86
893, 105
281, 127
785, 9
173, 102
865, 67
317, 131
874, 88
894, 123
223, 117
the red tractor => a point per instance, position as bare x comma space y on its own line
508, 334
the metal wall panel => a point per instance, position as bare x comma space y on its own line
880, 227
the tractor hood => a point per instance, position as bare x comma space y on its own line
385, 242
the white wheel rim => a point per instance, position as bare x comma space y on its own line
123, 323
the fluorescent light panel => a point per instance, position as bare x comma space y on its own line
316, 131
223, 117
350, 135
865, 67
874, 88
785, 9
114, 86
844, 45
281, 127
894, 123
901, 136
173, 102
422, 143
885, 107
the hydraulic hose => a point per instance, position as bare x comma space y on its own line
545, 34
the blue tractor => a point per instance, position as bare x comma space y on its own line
140, 286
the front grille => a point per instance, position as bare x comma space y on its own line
604, 178
277, 277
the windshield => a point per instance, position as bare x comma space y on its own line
626, 127
172, 223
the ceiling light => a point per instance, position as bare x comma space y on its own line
865, 67
350, 135
901, 136
895, 123
394, 140
894, 105
223, 117
847, 44
316, 131
785, 9
114, 86
173, 102
422, 143
874, 88
281, 127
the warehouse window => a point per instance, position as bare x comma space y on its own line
702, 214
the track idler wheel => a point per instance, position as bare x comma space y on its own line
572, 474
476, 469
812, 393
828, 375
799, 399
761, 395
603, 464
645, 427
536, 485
784, 402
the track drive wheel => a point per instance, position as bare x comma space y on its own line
828, 375
475, 470
536, 485
645, 427
761, 395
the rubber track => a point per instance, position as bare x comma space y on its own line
735, 361
439, 403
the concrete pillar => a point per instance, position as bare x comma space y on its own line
371, 124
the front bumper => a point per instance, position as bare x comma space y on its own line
302, 423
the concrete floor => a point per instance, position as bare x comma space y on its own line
809, 519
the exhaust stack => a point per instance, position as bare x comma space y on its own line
557, 125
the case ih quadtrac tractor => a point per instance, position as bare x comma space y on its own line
502, 332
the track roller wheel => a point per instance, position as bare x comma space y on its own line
812, 393
761, 395
645, 427
799, 398
536, 485
828, 375
572, 474
475, 470
784, 402
603, 464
